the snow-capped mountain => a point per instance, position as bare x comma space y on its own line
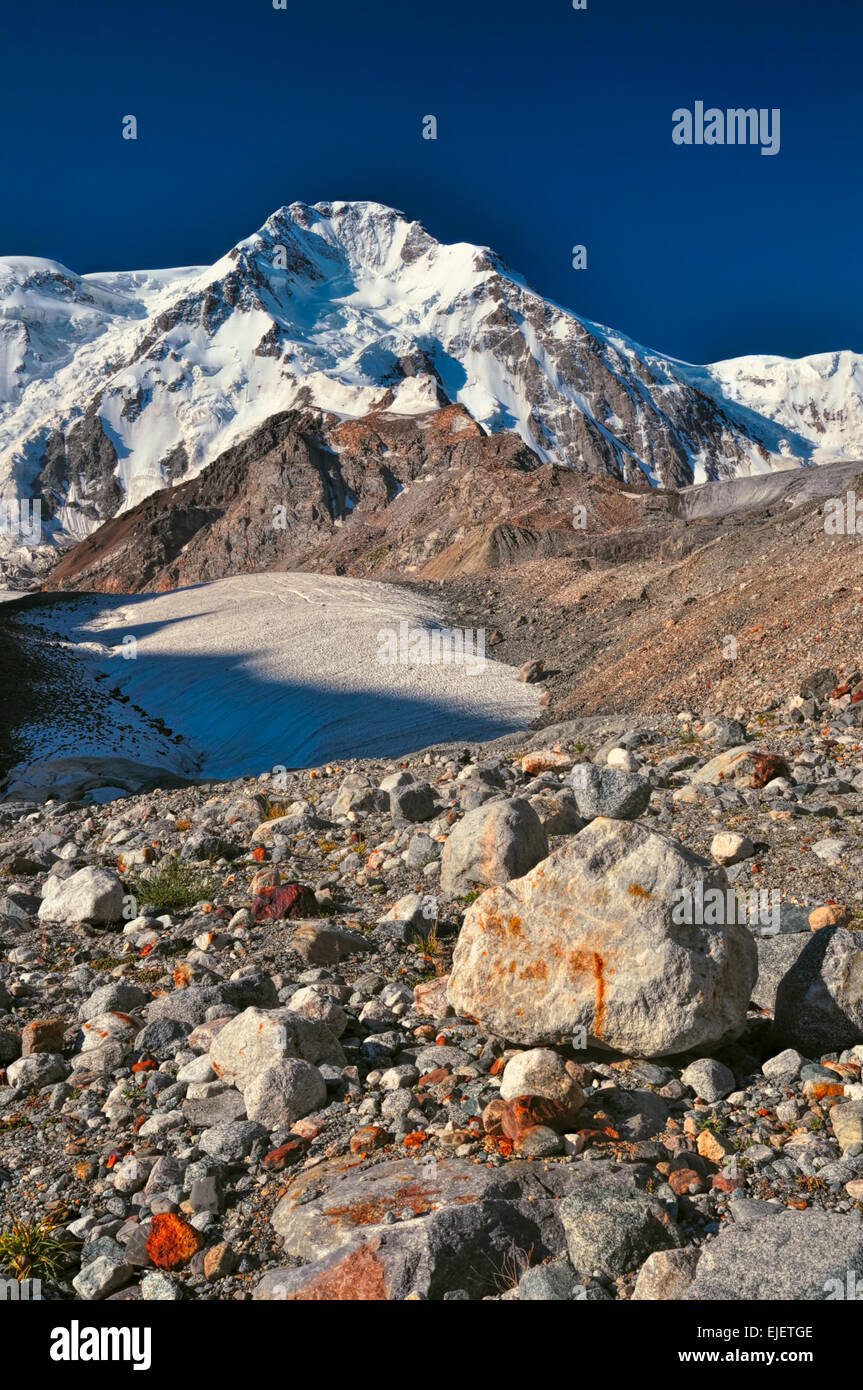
113, 386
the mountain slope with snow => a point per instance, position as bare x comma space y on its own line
113, 386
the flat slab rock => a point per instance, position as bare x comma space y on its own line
794, 1255
455, 1222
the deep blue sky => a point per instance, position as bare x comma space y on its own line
554, 129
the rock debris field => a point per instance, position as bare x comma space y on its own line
438, 1028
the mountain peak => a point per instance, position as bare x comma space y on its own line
113, 385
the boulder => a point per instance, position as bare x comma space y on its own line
754, 766
615, 1231
282, 1094
586, 941
777, 955
114, 998
231, 1140
730, 848
314, 1003
357, 794
622, 759
321, 944
709, 1079
665, 1275
38, 1070
847, 1122
414, 802
492, 844
794, 1256
90, 895
456, 1224
606, 791
541, 1072
257, 1039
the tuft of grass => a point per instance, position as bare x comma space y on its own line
514, 1264
175, 886
430, 949
29, 1249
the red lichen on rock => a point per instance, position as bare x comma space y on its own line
359, 1277
171, 1241
285, 900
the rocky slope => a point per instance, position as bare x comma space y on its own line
238, 1063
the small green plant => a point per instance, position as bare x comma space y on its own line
472, 896
149, 977
711, 1122
13, 1122
175, 886
812, 1185
29, 1249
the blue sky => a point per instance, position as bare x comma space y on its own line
554, 129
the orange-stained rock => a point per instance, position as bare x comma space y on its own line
524, 1112
171, 1241
369, 1138
430, 998
830, 915
43, 1035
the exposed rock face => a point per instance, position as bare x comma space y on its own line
279, 499
586, 940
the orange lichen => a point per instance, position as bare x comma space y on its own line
414, 1139
171, 1241
537, 971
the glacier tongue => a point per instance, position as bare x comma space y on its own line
251, 673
